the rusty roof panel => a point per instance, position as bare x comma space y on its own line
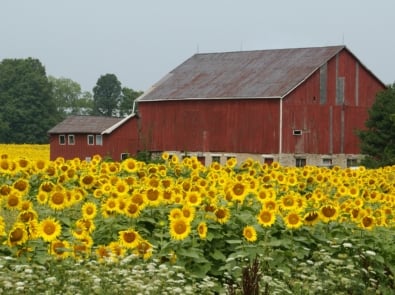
243, 74
84, 124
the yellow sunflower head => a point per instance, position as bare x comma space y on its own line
60, 249
18, 235
266, 217
49, 229
249, 233
89, 210
179, 228
129, 238
293, 220
202, 230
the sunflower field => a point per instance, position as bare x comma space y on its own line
178, 227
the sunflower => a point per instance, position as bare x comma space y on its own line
266, 194
179, 228
288, 202
103, 253
132, 209
121, 186
129, 238
18, 234
311, 218
109, 207
222, 214
57, 200
21, 185
266, 217
129, 165
5, 190
193, 198
367, 222
117, 250
202, 230
14, 200
86, 225
249, 233
153, 196
40, 165
293, 220
49, 229
188, 212
143, 249
328, 212
27, 215
33, 229
175, 213
42, 198
60, 249
89, 210
2, 227
87, 181
238, 191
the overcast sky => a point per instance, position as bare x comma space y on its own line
140, 41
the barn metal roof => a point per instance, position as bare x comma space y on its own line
85, 124
243, 74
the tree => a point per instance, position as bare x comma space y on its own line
106, 96
70, 100
28, 109
128, 96
378, 140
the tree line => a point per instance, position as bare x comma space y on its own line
32, 102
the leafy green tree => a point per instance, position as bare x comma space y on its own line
378, 140
106, 96
28, 109
70, 99
128, 96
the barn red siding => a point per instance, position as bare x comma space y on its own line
124, 139
245, 125
329, 128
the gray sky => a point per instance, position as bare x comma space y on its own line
141, 41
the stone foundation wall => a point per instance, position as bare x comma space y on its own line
341, 160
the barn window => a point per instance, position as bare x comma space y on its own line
327, 162
323, 83
62, 139
340, 90
297, 132
124, 156
352, 162
71, 139
268, 160
216, 159
90, 139
300, 162
99, 139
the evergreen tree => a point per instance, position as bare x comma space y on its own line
28, 109
378, 140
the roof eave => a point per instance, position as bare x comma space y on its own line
211, 98
118, 124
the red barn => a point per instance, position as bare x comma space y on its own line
299, 106
86, 136
296, 106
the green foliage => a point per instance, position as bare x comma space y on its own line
28, 109
106, 96
69, 98
378, 140
128, 96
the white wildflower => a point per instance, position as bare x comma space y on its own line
370, 253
